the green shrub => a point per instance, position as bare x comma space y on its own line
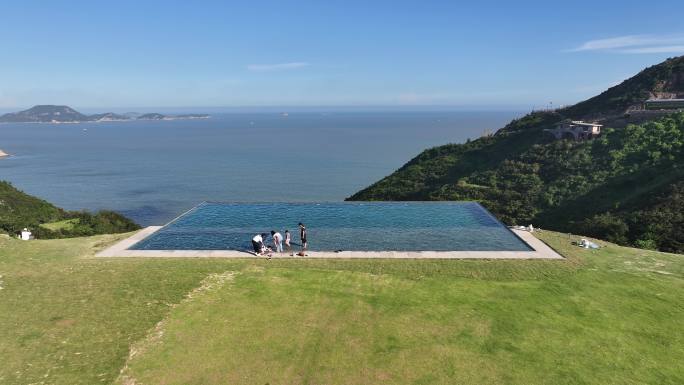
19, 210
606, 226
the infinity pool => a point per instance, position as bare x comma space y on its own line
348, 226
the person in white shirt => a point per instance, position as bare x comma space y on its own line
258, 244
277, 241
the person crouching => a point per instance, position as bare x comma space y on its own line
258, 244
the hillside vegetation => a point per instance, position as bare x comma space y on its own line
626, 186
662, 80
19, 210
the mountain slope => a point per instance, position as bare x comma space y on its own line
107, 116
45, 114
664, 80
151, 116
619, 186
19, 210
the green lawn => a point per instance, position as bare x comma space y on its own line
66, 224
613, 316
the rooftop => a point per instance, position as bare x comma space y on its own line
583, 123
665, 100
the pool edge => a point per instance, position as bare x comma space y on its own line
540, 250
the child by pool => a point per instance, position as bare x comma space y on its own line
288, 239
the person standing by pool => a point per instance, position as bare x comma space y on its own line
258, 244
277, 241
288, 240
302, 236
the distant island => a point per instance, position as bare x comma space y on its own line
65, 114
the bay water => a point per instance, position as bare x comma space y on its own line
152, 171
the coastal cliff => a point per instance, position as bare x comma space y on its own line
626, 186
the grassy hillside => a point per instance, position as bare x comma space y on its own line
608, 316
19, 210
664, 79
625, 186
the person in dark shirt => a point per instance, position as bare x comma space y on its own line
302, 236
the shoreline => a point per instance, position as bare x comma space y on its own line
114, 120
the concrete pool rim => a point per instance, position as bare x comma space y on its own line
538, 249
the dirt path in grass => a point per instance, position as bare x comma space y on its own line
211, 283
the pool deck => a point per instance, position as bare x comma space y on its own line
541, 251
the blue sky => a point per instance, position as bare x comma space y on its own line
480, 54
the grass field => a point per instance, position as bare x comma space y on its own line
66, 224
612, 316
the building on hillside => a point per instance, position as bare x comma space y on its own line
664, 104
575, 129
25, 234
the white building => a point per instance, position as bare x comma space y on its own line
664, 104
576, 130
25, 234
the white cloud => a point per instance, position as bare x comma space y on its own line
662, 49
635, 44
277, 67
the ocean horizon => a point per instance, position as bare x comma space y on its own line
152, 171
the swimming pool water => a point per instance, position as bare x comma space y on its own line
353, 226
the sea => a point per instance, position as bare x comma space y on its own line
152, 171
